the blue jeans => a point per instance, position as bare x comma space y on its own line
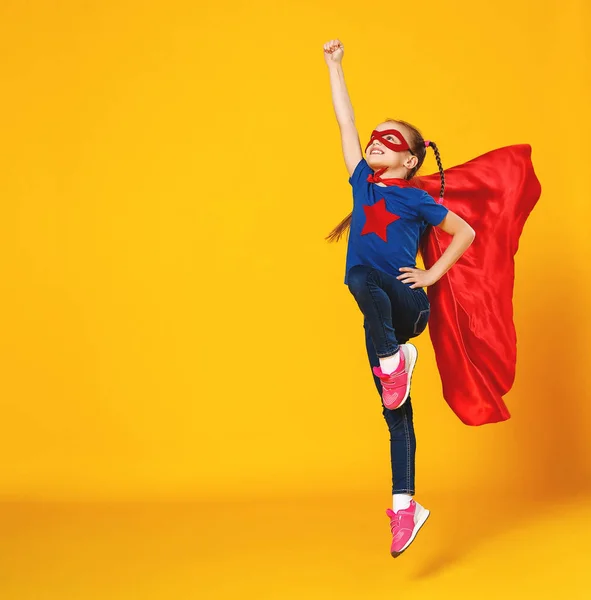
393, 313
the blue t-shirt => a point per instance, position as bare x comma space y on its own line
387, 223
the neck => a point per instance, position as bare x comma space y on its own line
393, 173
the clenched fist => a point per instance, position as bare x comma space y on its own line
333, 52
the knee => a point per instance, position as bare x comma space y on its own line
357, 279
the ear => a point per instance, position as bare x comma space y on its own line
411, 162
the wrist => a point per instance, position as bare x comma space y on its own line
434, 275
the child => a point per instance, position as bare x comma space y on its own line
392, 218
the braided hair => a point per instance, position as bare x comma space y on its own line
418, 147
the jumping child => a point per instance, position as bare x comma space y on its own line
390, 217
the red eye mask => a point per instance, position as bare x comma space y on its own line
399, 146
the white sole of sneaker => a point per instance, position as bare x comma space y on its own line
422, 514
413, 355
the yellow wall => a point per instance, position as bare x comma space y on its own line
173, 322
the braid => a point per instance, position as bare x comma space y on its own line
419, 149
441, 171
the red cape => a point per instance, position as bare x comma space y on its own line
471, 324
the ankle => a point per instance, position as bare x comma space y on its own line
400, 501
389, 364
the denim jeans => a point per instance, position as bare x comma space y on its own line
393, 313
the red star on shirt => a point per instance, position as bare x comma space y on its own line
377, 219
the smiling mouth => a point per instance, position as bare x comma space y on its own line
376, 152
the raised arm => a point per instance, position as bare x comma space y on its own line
333, 55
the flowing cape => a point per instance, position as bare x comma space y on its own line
471, 324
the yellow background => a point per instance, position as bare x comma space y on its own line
174, 325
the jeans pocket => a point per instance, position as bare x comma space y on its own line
421, 321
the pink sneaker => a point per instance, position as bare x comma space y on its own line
396, 385
405, 525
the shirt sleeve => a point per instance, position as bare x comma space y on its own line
431, 211
359, 176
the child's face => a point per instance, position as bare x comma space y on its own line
378, 155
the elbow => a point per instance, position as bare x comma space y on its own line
466, 234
